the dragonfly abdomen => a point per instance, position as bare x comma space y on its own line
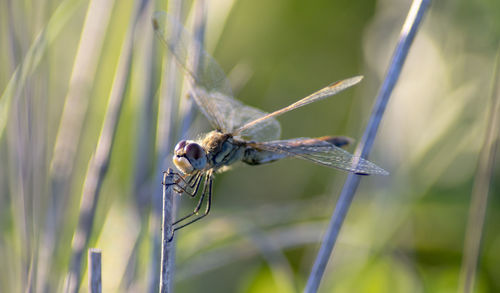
338, 141
254, 155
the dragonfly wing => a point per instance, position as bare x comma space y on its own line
323, 153
323, 93
269, 130
211, 89
207, 79
236, 114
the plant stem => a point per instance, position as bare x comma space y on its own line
480, 191
70, 129
168, 202
165, 136
167, 105
95, 279
408, 32
100, 161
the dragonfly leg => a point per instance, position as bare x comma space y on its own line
207, 191
191, 181
198, 206
191, 188
183, 185
176, 180
180, 178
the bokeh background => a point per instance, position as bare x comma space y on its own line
404, 232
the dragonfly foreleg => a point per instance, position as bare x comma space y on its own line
207, 192
188, 186
198, 206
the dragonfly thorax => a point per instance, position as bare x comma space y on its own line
222, 149
189, 156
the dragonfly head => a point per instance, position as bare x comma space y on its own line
189, 156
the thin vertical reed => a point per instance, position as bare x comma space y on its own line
142, 88
64, 12
24, 133
167, 111
95, 268
70, 126
166, 140
167, 213
99, 163
407, 35
480, 191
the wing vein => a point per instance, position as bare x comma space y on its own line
323, 93
323, 153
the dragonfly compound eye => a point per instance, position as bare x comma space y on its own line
194, 151
196, 155
179, 146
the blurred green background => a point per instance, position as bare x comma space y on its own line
404, 232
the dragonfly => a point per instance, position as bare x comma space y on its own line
241, 133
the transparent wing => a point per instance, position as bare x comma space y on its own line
208, 77
323, 153
236, 114
210, 87
325, 92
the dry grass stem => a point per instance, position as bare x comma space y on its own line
99, 163
408, 32
166, 233
95, 268
480, 191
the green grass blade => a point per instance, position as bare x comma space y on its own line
35, 53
